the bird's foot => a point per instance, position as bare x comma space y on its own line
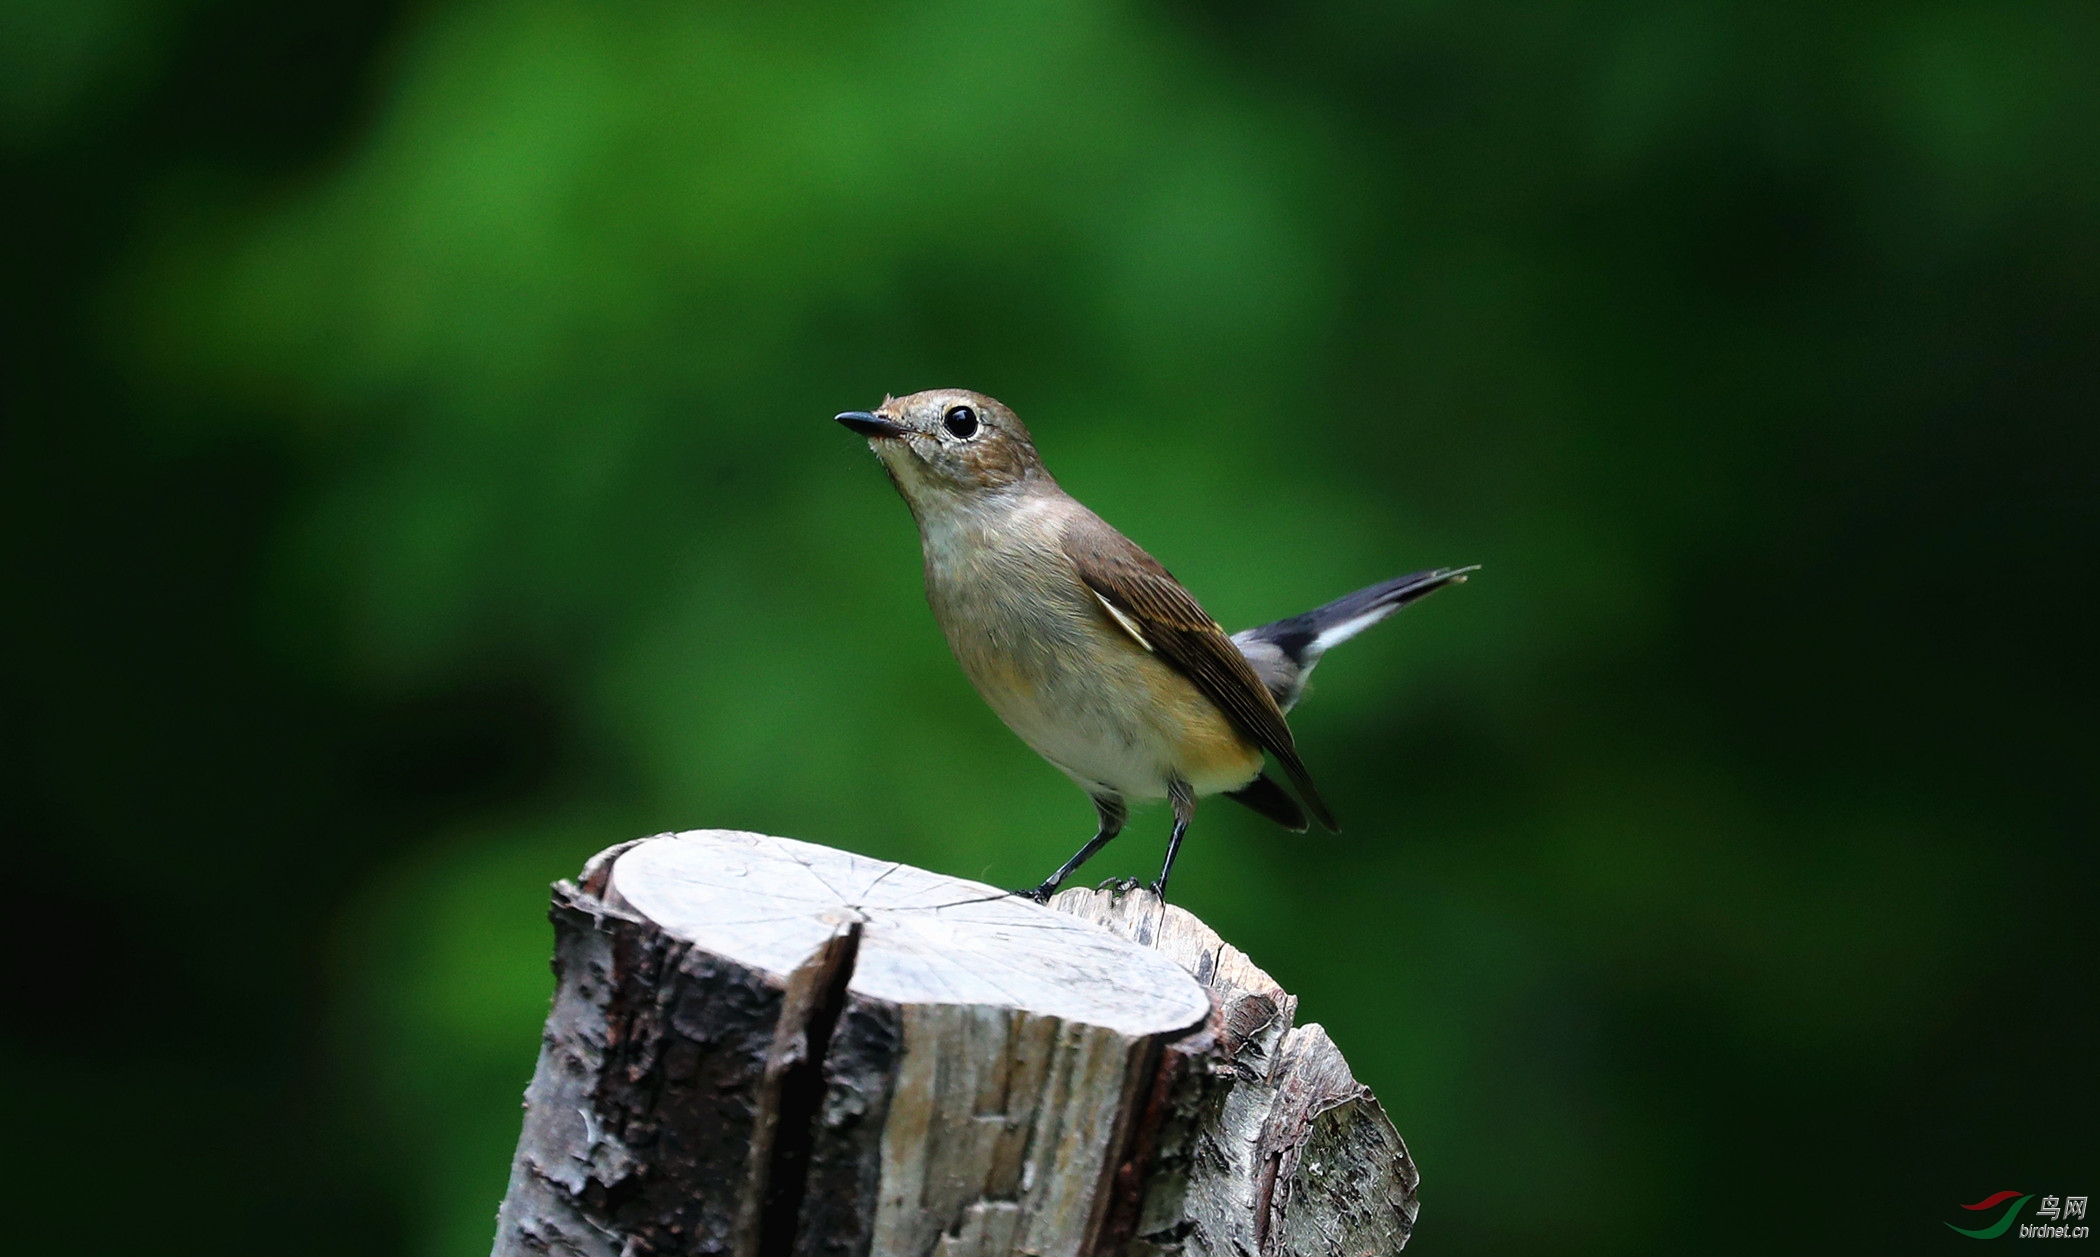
1158, 889
1040, 894
1119, 886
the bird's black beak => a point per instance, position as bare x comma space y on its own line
872, 425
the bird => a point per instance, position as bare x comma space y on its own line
1087, 647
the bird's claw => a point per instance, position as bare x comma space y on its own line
1120, 886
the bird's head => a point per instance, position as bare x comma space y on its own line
947, 443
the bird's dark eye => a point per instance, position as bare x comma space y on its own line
961, 423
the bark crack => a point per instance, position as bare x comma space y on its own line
800, 1098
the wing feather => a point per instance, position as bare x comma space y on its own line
1149, 604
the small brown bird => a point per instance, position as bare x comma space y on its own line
1085, 645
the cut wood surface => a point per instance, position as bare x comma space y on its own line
925, 939
763, 1047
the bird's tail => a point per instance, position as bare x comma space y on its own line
1285, 652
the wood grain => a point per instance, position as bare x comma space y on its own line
761, 1047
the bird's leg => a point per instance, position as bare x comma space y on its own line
1184, 800
1113, 814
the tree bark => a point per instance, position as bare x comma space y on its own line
765, 1048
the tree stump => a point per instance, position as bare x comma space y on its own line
761, 1047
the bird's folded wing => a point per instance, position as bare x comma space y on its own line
1150, 605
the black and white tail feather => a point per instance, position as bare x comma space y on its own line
1285, 652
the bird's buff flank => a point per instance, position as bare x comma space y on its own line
1085, 645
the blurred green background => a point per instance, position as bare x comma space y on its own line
419, 474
